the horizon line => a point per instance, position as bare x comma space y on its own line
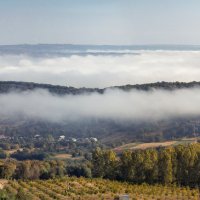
77, 44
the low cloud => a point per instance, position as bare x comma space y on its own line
103, 70
113, 104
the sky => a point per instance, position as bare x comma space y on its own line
117, 22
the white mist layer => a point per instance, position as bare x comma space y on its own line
113, 104
103, 70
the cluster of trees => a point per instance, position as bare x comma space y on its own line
179, 165
29, 155
160, 85
7, 86
33, 169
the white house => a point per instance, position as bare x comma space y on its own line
61, 137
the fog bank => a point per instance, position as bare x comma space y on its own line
114, 104
103, 70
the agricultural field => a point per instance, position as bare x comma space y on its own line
147, 145
62, 156
93, 189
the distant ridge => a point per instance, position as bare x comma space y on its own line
7, 86
46, 50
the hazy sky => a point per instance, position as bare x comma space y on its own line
100, 21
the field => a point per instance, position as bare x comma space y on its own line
94, 189
63, 156
133, 146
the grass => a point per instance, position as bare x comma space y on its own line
64, 156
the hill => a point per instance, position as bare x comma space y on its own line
7, 86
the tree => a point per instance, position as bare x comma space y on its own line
98, 163
7, 170
127, 168
150, 165
110, 164
165, 165
104, 163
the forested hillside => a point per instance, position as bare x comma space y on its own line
7, 86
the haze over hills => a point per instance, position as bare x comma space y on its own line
110, 100
31, 108
11, 86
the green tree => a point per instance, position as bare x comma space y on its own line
98, 163
127, 168
7, 170
166, 166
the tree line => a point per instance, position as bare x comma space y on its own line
178, 165
34, 169
172, 165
